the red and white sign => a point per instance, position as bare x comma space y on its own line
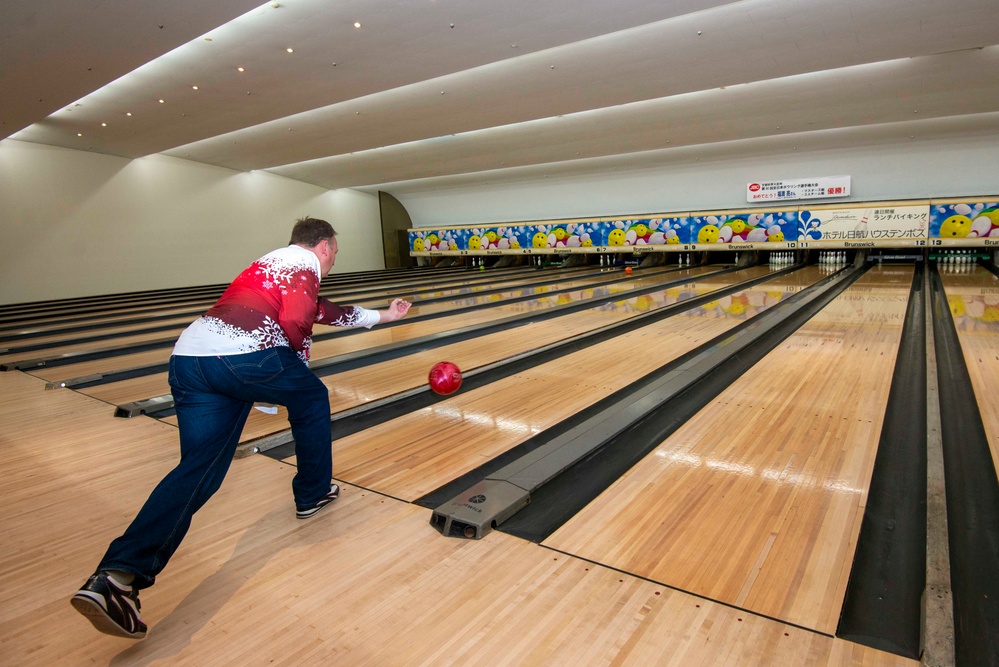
802, 188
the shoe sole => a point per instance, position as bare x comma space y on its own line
95, 613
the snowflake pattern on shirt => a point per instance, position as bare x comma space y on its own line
273, 302
270, 334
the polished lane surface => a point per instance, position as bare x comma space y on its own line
757, 500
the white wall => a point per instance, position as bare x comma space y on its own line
954, 167
75, 223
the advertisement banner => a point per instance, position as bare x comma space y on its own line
800, 188
895, 224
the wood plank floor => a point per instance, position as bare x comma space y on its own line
366, 583
974, 305
757, 500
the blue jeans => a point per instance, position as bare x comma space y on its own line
213, 396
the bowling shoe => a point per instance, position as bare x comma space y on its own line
306, 512
112, 607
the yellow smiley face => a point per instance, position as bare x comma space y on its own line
418, 245
738, 226
616, 237
540, 240
708, 234
776, 238
474, 243
956, 226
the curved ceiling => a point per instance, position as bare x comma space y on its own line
405, 95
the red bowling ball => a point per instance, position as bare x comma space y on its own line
445, 378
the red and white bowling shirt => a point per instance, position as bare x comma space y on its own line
275, 301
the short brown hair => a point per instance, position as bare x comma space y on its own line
311, 232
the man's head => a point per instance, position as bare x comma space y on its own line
319, 237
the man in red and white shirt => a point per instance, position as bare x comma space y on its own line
252, 346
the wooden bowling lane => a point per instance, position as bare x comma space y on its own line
364, 340
71, 340
366, 583
563, 283
414, 454
67, 343
117, 331
59, 348
145, 387
359, 386
973, 297
487, 281
55, 324
65, 337
757, 500
373, 293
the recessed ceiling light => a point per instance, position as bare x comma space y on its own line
240, 69
357, 24
104, 124
290, 50
78, 134
194, 87
161, 101
128, 113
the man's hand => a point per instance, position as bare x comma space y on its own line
396, 310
